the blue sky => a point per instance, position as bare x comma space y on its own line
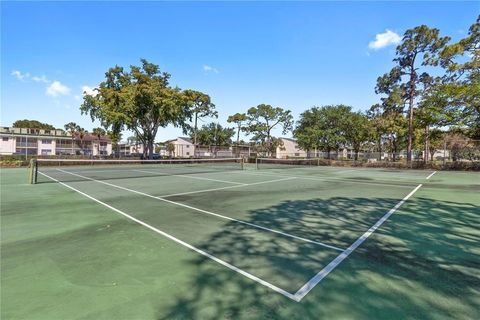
289, 54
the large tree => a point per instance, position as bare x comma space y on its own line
359, 131
459, 91
140, 100
418, 51
32, 124
239, 120
213, 134
323, 128
262, 119
202, 107
389, 119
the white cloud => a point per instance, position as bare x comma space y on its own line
208, 68
86, 90
42, 79
77, 97
385, 39
20, 76
57, 89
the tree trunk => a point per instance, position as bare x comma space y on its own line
394, 145
145, 149
410, 114
268, 143
150, 149
238, 134
380, 148
356, 155
195, 136
427, 151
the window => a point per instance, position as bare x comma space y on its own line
46, 141
47, 131
4, 138
297, 154
188, 146
46, 152
188, 153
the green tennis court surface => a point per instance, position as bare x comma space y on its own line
195, 242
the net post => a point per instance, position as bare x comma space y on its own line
242, 163
32, 171
256, 163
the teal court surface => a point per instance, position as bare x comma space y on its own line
226, 240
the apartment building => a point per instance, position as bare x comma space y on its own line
43, 142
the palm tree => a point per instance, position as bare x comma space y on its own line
82, 133
72, 128
98, 132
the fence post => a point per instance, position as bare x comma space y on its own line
32, 171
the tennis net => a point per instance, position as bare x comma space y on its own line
271, 163
50, 170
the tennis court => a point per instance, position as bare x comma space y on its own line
282, 229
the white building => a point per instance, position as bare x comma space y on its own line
290, 149
183, 147
42, 142
127, 150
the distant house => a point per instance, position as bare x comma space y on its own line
44, 142
183, 147
130, 149
290, 149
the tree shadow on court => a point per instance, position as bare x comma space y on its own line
422, 263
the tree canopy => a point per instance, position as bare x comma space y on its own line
323, 128
201, 107
32, 124
214, 134
262, 119
140, 100
418, 50
239, 120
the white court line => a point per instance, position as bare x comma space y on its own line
183, 243
302, 292
190, 177
428, 178
223, 188
208, 212
326, 179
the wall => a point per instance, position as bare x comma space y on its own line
290, 149
7, 147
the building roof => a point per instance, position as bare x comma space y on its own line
188, 139
289, 139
